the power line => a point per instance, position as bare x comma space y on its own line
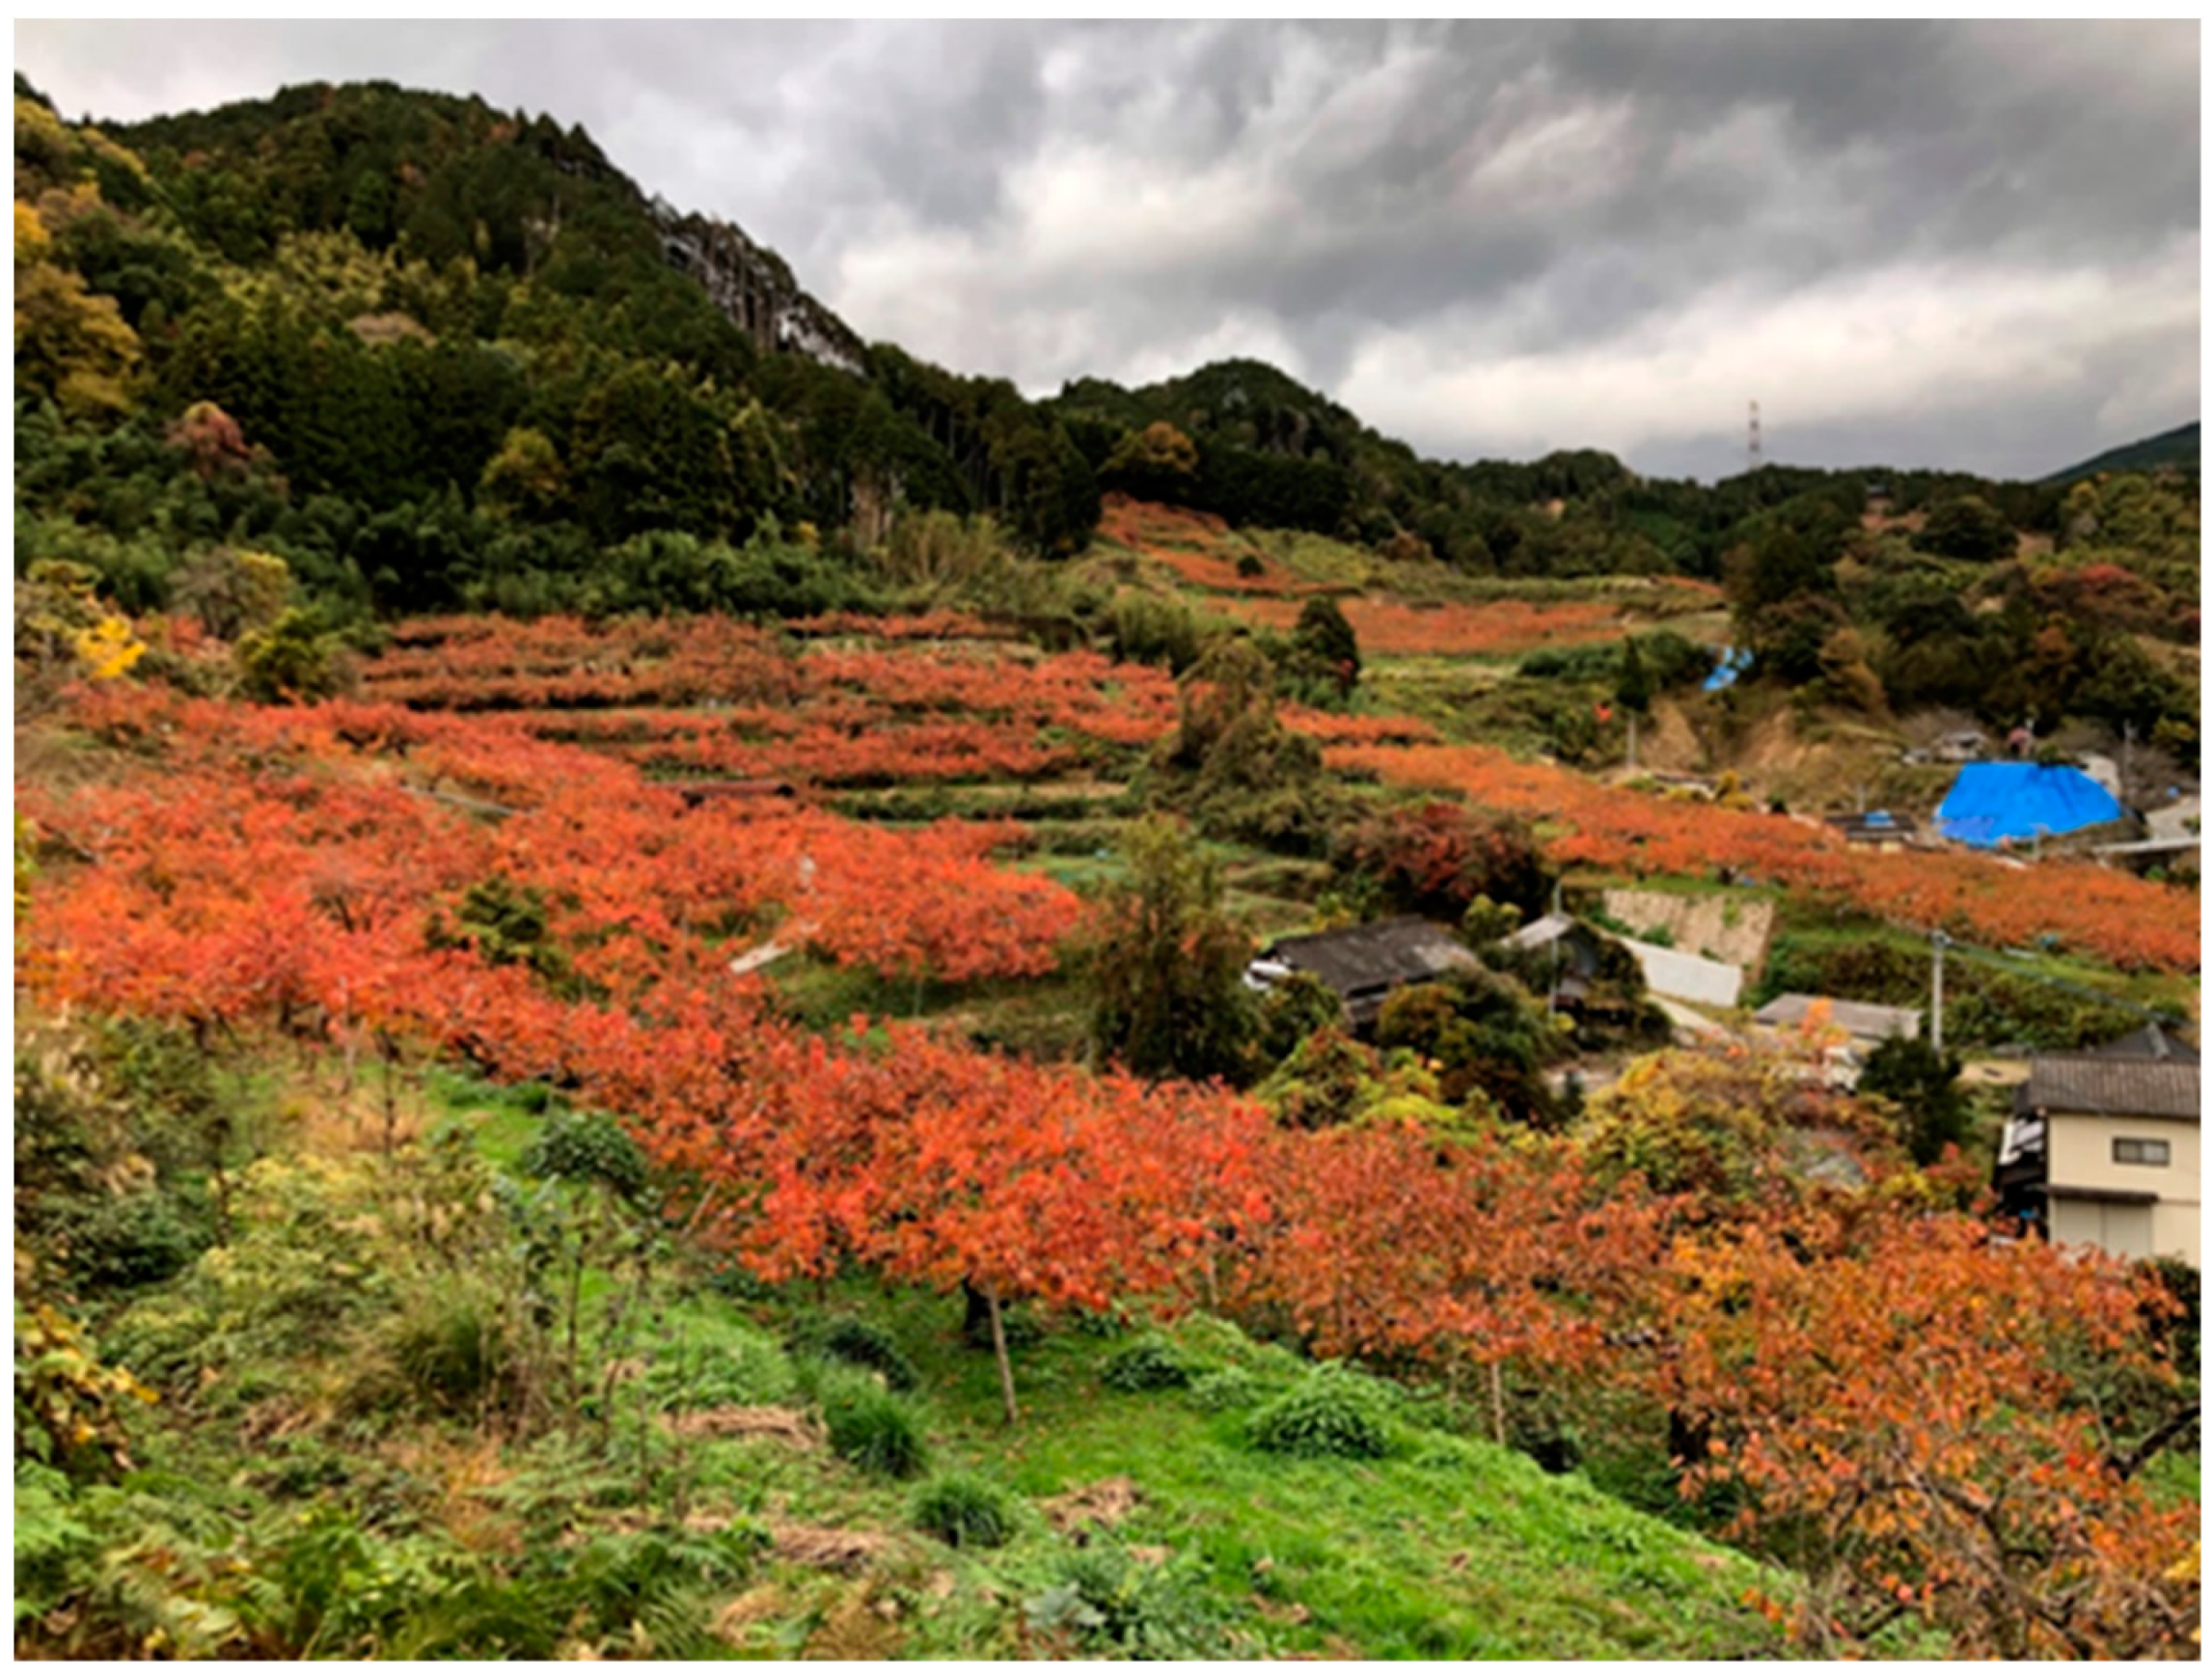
1995, 959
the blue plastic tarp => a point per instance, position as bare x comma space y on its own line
1732, 663
1990, 802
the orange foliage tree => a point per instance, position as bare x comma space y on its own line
1908, 1413
1911, 1423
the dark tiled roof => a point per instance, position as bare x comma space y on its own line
1360, 959
2088, 1083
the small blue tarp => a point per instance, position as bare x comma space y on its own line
1732, 663
1990, 802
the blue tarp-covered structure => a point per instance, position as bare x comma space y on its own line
1990, 802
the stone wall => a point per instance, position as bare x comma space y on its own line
1721, 926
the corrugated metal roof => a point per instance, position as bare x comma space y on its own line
1540, 931
2138, 1088
1687, 978
1869, 1020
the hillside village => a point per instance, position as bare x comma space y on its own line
687, 989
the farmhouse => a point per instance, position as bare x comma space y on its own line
2102, 1148
1364, 964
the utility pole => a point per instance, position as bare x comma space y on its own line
1935, 1000
1755, 448
1551, 1002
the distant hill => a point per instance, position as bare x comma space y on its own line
2177, 447
466, 358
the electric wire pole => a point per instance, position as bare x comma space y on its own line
1935, 998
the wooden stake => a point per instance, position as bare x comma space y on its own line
1005, 1366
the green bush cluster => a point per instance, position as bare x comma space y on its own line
456, 1353
1105, 1600
964, 1511
190, 1572
871, 1427
586, 1146
1223, 1390
1330, 1412
1148, 1364
737, 1364
866, 1345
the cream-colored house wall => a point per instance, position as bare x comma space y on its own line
2081, 1156
2176, 1230
2126, 1231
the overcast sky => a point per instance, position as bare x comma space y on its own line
1971, 245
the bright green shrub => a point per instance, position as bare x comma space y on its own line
581, 1146
964, 1512
1148, 1364
872, 1428
1330, 1412
1225, 1389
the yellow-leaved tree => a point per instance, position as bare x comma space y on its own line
72, 345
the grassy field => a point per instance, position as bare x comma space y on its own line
1446, 1547
727, 1479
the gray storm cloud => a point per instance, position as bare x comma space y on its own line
1956, 244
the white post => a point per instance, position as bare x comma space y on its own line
1551, 1002
1935, 1007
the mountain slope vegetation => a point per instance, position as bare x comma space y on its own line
632, 1024
437, 356
2180, 448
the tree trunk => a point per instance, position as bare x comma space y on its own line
575, 1355
1005, 1366
976, 1318
1499, 1402
391, 1053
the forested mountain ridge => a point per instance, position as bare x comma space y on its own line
459, 349
433, 356
2180, 449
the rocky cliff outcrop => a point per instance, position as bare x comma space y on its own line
754, 287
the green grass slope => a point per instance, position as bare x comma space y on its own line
348, 1474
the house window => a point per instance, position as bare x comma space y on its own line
2136, 1150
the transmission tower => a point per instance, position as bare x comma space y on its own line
1753, 451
